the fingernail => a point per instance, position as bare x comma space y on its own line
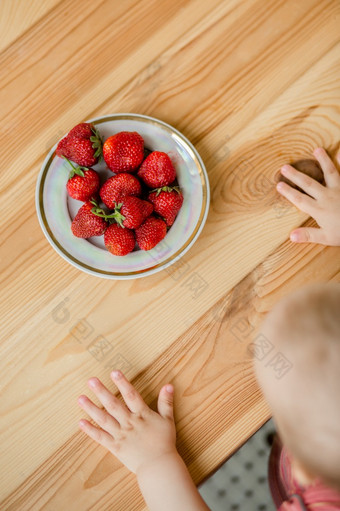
280, 185
116, 375
285, 169
93, 382
169, 388
318, 150
81, 399
294, 236
82, 423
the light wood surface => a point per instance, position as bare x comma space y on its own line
253, 84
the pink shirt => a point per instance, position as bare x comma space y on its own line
289, 495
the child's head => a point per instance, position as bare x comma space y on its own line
305, 328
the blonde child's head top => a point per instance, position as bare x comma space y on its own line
304, 328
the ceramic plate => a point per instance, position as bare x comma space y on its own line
56, 209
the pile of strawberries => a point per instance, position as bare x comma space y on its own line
141, 199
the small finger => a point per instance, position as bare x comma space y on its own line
132, 398
300, 200
100, 416
111, 404
308, 235
306, 183
166, 402
98, 435
332, 177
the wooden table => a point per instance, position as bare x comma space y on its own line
253, 84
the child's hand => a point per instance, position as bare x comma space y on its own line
322, 202
134, 433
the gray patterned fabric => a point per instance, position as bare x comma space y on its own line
241, 483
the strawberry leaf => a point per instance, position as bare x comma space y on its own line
94, 202
79, 172
165, 189
97, 143
75, 170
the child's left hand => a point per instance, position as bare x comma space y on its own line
133, 432
320, 202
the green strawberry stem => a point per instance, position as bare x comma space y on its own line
115, 216
76, 170
166, 189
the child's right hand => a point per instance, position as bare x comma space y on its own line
322, 202
144, 441
133, 432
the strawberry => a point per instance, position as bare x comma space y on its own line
82, 145
124, 151
157, 170
131, 212
119, 186
86, 223
119, 241
151, 232
82, 130
167, 201
83, 183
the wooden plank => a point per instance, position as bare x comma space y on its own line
18, 16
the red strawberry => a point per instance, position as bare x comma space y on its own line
151, 232
82, 145
119, 241
157, 170
119, 186
82, 130
131, 212
84, 185
124, 152
86, 223
167, 201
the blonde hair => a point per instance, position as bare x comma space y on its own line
304, 328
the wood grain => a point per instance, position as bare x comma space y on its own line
253, 85
18, 16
